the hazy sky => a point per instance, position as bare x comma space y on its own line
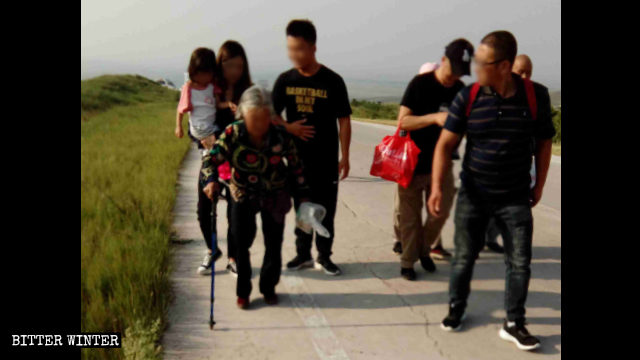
385, 41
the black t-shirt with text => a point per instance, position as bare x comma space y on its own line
321, 99
425, 95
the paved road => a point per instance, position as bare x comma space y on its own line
369, 312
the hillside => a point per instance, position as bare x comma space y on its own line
101, 93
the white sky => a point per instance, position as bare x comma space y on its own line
361, 40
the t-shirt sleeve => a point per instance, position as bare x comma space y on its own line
544, 123
343, 108
278, 95
457, 117
410, 98
184, 105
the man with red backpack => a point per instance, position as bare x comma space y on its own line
501, 115
523, 67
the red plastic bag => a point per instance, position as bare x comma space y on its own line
395, 159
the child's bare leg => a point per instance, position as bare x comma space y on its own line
208, 141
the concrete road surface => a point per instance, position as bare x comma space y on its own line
369, 312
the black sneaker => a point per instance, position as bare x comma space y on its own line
495, 247
428, 264
453, 321
519, 335
328, 266
397, 247
299, 263
271, 299
408, 273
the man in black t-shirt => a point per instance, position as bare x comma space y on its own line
315, 99
421, 114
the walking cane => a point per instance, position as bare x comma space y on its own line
214, 246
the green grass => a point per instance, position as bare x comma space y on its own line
556, 116
129, 164
373, 110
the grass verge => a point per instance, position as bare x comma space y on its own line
129, 165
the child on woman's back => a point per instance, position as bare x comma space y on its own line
198, 99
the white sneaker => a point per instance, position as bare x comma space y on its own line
205, 267
233, 269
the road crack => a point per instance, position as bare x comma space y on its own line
362, 218
423, 315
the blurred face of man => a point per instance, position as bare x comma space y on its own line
522, 67
257, 121
301, 53
447, 77
489, 70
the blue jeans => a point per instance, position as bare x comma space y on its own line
515, 222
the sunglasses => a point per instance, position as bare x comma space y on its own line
483, 63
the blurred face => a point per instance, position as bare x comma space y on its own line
257, 121
522, 68
489, 70
202, 78
232, 69
301, 53
447, 76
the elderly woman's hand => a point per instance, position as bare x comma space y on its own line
211, 189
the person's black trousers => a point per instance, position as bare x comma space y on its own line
515, 222
205, 205
324, 193
272, 209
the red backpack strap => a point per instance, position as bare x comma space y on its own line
472, 97
531, 98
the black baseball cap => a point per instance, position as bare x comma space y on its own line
459, 52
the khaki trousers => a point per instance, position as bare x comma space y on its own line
418, 237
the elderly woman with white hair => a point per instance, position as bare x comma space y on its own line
265, 172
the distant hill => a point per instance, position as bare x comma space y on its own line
103, 92
555, 98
